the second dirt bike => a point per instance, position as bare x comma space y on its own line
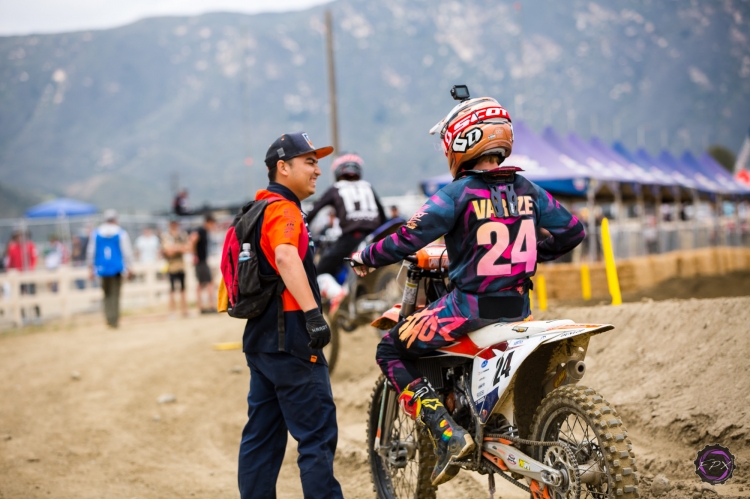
367, 297
514, 387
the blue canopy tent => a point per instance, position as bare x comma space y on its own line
641, 174
657, 182
541, 163
60, 208
621, 169
597, 170
679, 179
663, 178
702, 183
710, 165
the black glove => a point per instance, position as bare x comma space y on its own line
320, 333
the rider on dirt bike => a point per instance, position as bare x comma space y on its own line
359, 212
489, 216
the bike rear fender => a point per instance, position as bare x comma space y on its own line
499, 351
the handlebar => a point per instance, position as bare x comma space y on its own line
411, 259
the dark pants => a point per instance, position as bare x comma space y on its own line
438, 325
111, 286
288, 393
331, 261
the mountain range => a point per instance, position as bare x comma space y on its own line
117, 116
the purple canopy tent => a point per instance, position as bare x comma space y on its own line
620, 169
642, 174
703, 183
725, 184
677, 176
722, 176
598, 171
663, 177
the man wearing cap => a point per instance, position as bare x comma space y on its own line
110, 256
289, 388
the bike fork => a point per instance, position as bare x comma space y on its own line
387, 413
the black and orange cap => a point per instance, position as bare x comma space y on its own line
291, 145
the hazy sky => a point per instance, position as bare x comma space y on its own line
53, 16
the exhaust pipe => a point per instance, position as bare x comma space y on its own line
566, 374
576, 369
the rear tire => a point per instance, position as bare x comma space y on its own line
412, 481
589, 424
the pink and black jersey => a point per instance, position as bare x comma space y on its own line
492, 246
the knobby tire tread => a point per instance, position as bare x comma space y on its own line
603, 419
426, 454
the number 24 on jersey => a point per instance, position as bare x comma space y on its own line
523, 251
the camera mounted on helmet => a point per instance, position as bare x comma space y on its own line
460, 93
473, 129
348, 166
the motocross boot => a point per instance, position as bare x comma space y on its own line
451, 441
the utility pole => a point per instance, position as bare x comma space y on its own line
332, 84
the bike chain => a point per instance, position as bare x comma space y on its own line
524, 441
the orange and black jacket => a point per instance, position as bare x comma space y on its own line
283, 223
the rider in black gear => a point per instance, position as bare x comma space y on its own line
359, 212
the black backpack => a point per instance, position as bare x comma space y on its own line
249, 291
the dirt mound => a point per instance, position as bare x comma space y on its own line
679, 374
79, 416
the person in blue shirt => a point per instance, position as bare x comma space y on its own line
109, 255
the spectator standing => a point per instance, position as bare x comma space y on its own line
57, 254
110, 256
78, 257
147, 246
200, 240
180, 203
78, 251
175, 244
21, 254
394, 212
290, 390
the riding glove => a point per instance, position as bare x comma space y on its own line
320, 333
359, 266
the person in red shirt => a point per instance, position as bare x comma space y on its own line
18, 258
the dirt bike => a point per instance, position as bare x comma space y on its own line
514, 387
367, 297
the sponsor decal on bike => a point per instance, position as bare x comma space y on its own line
523, 464
560, 379
484, 363
570, 326
520, 329
512, 459
714, 464
571, 333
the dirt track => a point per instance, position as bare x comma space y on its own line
677, 371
